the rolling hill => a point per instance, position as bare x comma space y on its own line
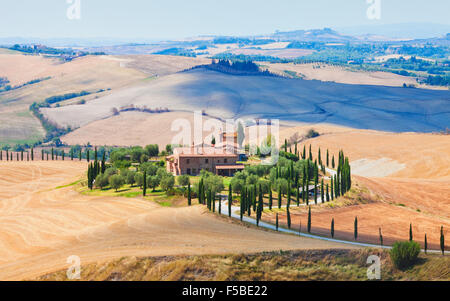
227, 96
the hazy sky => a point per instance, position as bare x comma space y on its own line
168, 19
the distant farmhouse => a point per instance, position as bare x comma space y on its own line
221, 159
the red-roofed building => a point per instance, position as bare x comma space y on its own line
220, 159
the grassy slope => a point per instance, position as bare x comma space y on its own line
17, 125
339, 265
227, 96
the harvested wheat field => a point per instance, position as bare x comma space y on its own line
134, 128
409, 174
43, 220
338, 74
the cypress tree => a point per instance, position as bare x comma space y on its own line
320, 157
21, 155
88, 157
189, 194
289, 193
71, 154
95, 154
425, 244
322, 192
328, 194
276, 222
53, 155
7, 155
381, 236
332, 189
285, 145
220, 205
199, 192
310, 153
279, 196
333, 165
288, 216
103, 162
260, 201
32, 154
213, 200
1, 155
270, 197
79, 154
241, 207
17, 156
208, 200
249, 201
296, 151
144, 183
442, 241
304, 152
356, 228
63, 155
230, 199
315, 189
410, 233
309, 219
297, 195
328, 159
332, 228
254, 194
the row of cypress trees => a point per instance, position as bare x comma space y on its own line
52, 154
97, 168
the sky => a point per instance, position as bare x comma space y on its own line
173, 19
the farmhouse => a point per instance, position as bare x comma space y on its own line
220, 159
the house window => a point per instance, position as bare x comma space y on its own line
206, 161
188, 171
188, 161
225, 160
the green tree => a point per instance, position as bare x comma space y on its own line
276, 221
138, 179
144, 183
425, 244
101, 181
410, 232
131, 177
381, 236
116, 181
189, 195
153, 182
442, 241
183, 180
270, 198
167, 182
230, 199
279, 197
332, 228
309, 219
355, 231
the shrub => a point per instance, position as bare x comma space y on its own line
116, 182
131, 177
404, 254
138, 179
167, 182
101, 181
312, 133
183, 180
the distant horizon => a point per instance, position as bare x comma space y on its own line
350, 30
176, 19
